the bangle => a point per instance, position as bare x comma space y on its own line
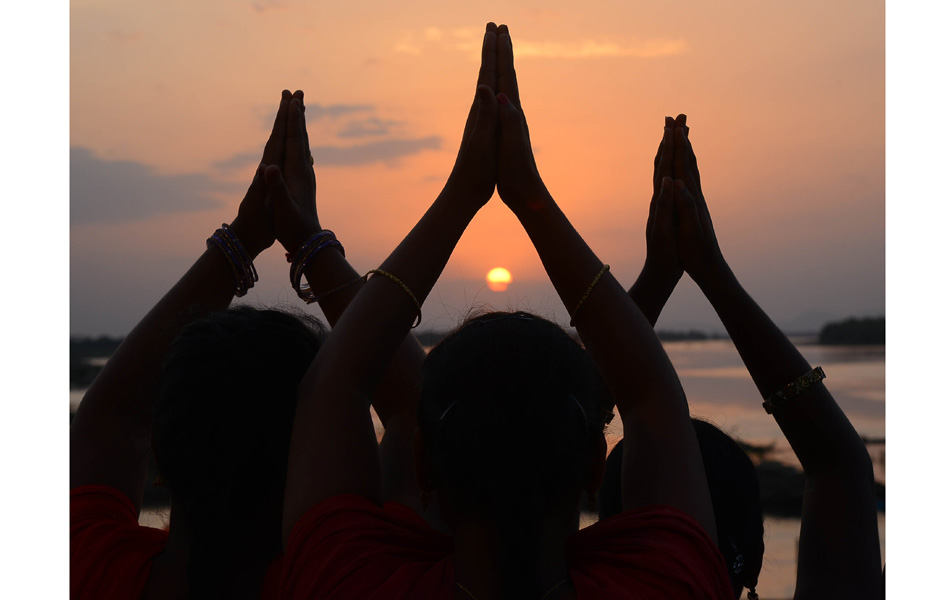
241, 264
302, 257
338, 288
795, 388
404, 287
590, 288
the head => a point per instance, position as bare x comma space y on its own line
511, 423
734, 490
224, 410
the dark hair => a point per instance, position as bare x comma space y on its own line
734, 490
509, 415
224, 410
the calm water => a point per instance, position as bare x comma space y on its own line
720, 390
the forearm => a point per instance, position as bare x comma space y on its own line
635, 367
335, 283
652, 290
816, 428
332, 415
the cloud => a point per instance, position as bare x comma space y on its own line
469, 41
104, 191
268, 5
373, 126
238, 161
334, 111
595, 49
372, 152
126, 37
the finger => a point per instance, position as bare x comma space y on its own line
483, 134
693, 165
298, 156
664, 166
680, 121
306, 136
488, 72
683, 162
507, 80
274, 148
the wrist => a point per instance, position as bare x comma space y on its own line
254, 242
659, 276
293, 240
714, 277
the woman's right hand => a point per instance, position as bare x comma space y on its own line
519, 183
696, 238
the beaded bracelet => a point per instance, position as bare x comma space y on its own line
795, 388
590, 288
404, 287
299, 260
241, 264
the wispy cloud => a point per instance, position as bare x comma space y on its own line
388, 151
654, 48
335, 111
126, 37
270, 5
373, 126
106, 191
469, 41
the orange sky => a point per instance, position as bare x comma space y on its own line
171, 103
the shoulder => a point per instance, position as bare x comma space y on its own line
656, 549
110, 553
349, 545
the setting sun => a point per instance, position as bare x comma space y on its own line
498, 279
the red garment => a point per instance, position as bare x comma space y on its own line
347, 547
110, 554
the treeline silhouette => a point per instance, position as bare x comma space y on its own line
853, 332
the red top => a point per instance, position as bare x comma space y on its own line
110, 554
347, 547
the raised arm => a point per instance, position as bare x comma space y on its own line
332, 282
662, 463
110, 436
332, 416
839, 552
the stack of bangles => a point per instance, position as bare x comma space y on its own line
238, 258
299, 260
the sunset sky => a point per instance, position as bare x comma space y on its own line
165, 106
171, 103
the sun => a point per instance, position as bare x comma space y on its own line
498, 279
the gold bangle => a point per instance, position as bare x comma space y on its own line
590, 288
795, 388
404, 287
